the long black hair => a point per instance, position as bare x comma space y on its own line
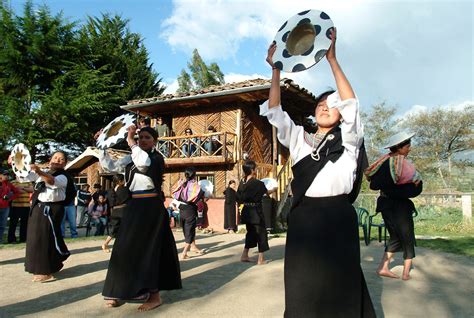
189, 173
248, 167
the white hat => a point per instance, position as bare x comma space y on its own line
302, 41
399, 138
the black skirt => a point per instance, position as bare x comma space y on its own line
398, 218
230, 222
45, 247
323, 277
144, 258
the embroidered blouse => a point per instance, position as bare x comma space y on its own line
335, 178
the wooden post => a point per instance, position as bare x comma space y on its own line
466, 208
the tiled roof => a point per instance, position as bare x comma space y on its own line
224, 88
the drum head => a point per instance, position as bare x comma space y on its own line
115, 131
270, 183
302, 41
207, 187
21, 160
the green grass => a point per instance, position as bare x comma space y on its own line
20, 246
457, 245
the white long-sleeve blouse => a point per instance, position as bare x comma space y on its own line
53, 192
140, 159
336, 177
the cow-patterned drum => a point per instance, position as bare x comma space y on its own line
21, 160
302, 41
115, 131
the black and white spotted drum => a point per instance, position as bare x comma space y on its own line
115, 131
21, 160
321, 27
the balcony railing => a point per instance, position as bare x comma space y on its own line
219, 147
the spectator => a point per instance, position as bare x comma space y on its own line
211, 143
144, 122
119, 196
163, 131
20, 210
97, 191
189, 144
230, 205
173, 210
84, 197
8, 192
98, 215
69, 208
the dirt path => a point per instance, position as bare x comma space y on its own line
217, 284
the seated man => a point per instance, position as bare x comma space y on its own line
173, 210
188, 146
211, 143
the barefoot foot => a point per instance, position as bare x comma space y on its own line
112, 303
406, 277
153, 302
387, 273
105, 248
183, 257
247, 260
264, 262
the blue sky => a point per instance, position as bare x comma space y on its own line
414, 55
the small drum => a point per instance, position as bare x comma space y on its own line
207, 187
115, 131
21, 160
270, 183
302, 41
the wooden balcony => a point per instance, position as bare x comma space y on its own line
204, 149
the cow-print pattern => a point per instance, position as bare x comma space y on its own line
323, 25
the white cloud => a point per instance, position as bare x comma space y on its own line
403, 52
171, 86
218, 28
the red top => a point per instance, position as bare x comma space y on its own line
6, 188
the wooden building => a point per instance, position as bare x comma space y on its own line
233, 110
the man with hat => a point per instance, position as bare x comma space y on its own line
398, 181
8, 192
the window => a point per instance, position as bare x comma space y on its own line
80, 180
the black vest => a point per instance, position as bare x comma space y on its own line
41, 187
305, 170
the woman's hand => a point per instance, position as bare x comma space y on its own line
35, 168
331, 53
132, 130
97, 134
271, 51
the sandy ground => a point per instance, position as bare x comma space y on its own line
218, 285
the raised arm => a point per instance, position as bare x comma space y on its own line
274, 98
343, 86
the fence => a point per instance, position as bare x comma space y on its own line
438, 213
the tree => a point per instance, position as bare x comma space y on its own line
202, 75
379, 125
184, 82
36, 49
440, 134
60, 84
110, 46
